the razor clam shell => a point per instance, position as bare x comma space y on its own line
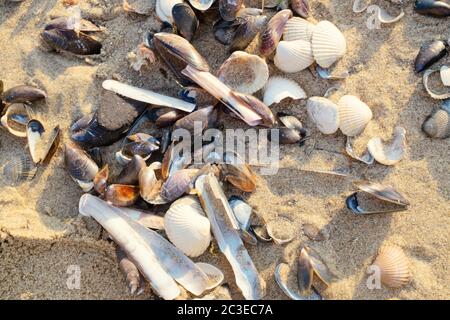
147, 219
290, 293
434, 95
224, 227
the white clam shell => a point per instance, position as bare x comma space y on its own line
214, 274
255, 69
293, 56
354, 115
164, 9
298, 29
324, 113
389, 153
201, 5
445, 75
393, 266
187, 227
278, 88
328, 44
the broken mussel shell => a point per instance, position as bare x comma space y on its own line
130, 174
23, 93
20, 169
373, 198
273, 32
121, 195
438, 9
310, 264
16, 118
149, 185
71, 41
281, 229
437, 125
429, 54
229, 8
185, 20
42, 143
80, 166
281, 273
141, 144
101, 180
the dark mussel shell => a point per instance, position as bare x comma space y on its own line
130, 174
112, 120
64, 23
198, 96
185, 20
300, 7
71, 41
305, 271
78, 163
229, 8
42, 143
273, 32
96, 155
290, 121
285, 135
164, 117
439, 9
429, 54
203, 119
178, 184
224, 30
246, 32
23, 94
141, 144
177, 52
2, 105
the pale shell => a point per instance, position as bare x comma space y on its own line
214, 274
298, 29
328, 44
389, 153
438, 124
255, 68
354, 115
445, 75
278, 88
201, 5
293, 56
324, 113
164, 9
394, 266
187, 227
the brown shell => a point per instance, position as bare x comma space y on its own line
394, 266
273, 32
121, 195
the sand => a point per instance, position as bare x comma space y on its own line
41, 233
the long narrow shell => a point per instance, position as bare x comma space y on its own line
394, 266
298, 29
278, 89
437, 125
324, 113
328, 44
293, 56
354, 115
389, 154
187, 227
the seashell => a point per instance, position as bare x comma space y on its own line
178, 184
130, 174
71, 41
164, 9
149, 185
121, 195
298, 29
305, 271
389, 154
290, 122
79, 165
41, 143
238, 173
187, 227
314, 233
243, 72
437, 125
242, 211
278, 89
101, 180
201, 5
273, 32
431, 92
382, 16
246, 32
289, 292
324, 113
229, 8
432, 8
285, 135
293, 56
326, 74
140, 144
96, 155
200, 120
133, 278
429, 54
354, 115
445, 76
300, 7
366, 157
281, 230
165, 117
224, 31
319, 266
146, 218
20, 169
393, 266
328, 44
360, 5
16, 118
23, 94
143, 7
266, 116
214, 274
185, 20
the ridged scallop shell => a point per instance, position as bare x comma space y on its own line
293, 56
389, 153
324, 113
187, 227
278, 88
438, 124
354, 115
445, 75
394, 266
20, 169
243, 72
298, 29
328, 44
164, 9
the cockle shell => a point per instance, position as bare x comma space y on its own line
164, 9
243, 72
393, 266
437, 125
389, 154
187, 227
20, 169
298, 29
293, 56
445, 75
278, 89
354, 115
324, 113
328, 44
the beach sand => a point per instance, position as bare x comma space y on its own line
41, 233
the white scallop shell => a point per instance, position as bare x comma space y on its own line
324, 113
249, 83
278, 88
187, 227
298, 29
389, 153
393, 266
354, 115
164, 9
328, 44
293, 56
445, 76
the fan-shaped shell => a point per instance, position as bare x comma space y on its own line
438, 124
164, 9
243, 72
278, 88
394, 266
328, 44
445, 76
298, 29
324, 113
20, 169
293, 56
389, 153
354, 115
187, 227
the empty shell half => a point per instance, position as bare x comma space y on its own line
437, 125
328, 44
324, 113
393, 266
16, 118
20, 169
293, 56
354, 115
389, 153
278, 89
